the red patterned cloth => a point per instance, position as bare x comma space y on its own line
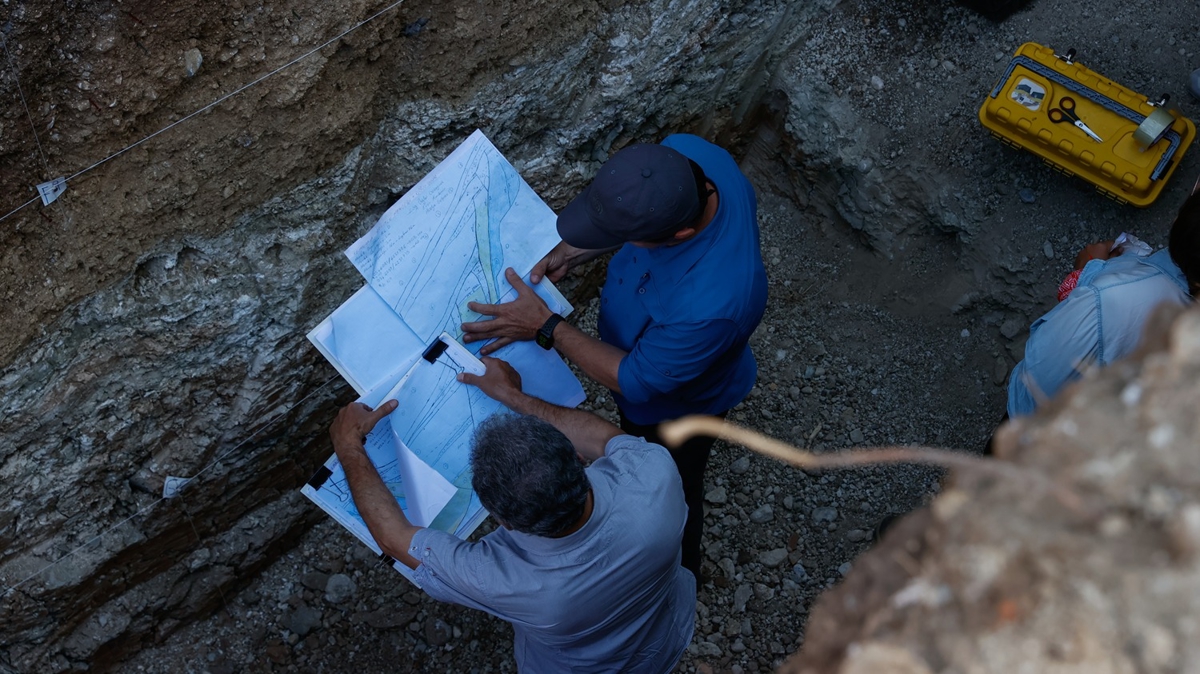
1068, 284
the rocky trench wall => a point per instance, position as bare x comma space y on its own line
158, 310
1082, 555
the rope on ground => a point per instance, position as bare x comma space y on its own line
675, 433
220, 100
92, 541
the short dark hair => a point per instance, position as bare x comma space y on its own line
526, 473
1184, 242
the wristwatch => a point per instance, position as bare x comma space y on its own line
545, 334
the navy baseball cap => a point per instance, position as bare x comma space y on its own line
642, 193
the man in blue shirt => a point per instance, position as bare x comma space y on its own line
588, 582
1101, 321
684, 292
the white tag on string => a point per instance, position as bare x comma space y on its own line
51, 190
172, 486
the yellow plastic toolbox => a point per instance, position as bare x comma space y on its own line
1086, 125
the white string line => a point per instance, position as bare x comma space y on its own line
17, 79
19, 208
87, 543
226, 96
8, 590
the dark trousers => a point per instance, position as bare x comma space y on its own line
690, 459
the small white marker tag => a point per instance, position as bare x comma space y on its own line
51, 190
172, 486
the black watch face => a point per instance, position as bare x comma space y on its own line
543, 340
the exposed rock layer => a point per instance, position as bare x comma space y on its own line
162, 303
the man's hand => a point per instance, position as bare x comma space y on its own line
1095, 251
500, 381
556, 264
353, 423
515, 321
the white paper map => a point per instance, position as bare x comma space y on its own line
447, 242
450, 238
433, 425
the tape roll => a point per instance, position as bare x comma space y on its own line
1154, 128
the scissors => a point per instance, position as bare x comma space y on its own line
1065, 112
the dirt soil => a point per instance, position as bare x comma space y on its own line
856, 349
99, 77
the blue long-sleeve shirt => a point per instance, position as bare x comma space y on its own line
685, 313
1101, 321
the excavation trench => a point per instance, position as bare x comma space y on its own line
160, 306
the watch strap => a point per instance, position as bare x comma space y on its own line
545, 334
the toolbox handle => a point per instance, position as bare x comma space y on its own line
1069, 58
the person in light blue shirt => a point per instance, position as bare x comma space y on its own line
1101, 321
585, 565
684, 292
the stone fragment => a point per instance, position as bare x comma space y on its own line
740, 466
877, 82
763, 514
764, 592
773, 558
717, 496
199, 559
437, 632
1027, 195
192, 59
339, 588
799, 573
414, 29
856, 535
856, 436
824, 514
302, 620
726, 565
740, 596
844, 569
1048, 250
315, 580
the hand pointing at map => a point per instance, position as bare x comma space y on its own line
514, 321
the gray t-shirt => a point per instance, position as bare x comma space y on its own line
610, 597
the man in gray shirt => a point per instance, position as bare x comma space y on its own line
586, 564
